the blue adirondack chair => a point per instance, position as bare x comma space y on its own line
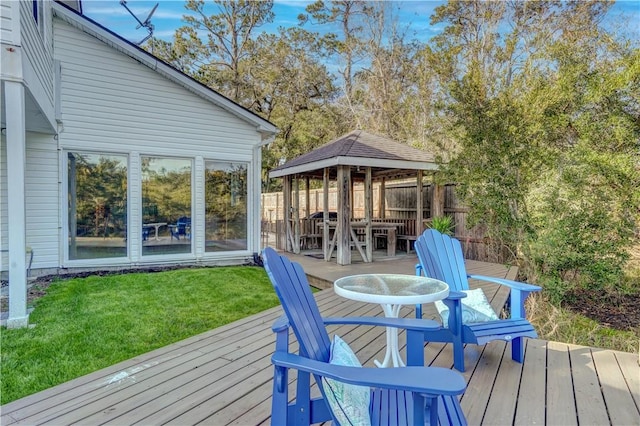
182, 227
405, 395
145, 232
441, 257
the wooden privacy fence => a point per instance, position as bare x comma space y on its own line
399, 206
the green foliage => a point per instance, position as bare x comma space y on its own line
583, 234
83, 325
555, 289
587, 213
443, 224
546, 134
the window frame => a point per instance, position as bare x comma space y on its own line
248, 165
191, 254
64, 242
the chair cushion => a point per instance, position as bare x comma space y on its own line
475, 308
349, 403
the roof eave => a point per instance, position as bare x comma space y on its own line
302, 168
354, 161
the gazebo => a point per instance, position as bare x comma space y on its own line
355, 157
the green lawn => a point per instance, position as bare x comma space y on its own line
86, 324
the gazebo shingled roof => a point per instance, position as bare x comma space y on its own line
359, 148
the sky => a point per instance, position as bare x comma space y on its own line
168, 16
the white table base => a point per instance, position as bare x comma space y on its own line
392, 354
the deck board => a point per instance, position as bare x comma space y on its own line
501, 406
560, 398
617, 395
480, 385
629, 365
589, 400
224, 376
530, 409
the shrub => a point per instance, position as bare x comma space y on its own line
443, 224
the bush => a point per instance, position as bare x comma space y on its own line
555, 289
583, 231
443, 224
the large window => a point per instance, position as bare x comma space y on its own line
35, 8
226, 206
97, 205
166, 206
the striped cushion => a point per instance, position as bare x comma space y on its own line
475, 308
349, 403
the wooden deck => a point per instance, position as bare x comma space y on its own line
224, 376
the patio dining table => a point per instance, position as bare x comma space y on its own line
391, 229
156, 226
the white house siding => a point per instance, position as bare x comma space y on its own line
112, 103
42, 200
9, 25
42, 195
38, 59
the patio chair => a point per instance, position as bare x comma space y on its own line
145, 233
392, 396
474, 320
182, 227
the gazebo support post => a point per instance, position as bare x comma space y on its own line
286, 207
351, 197
368, 213
296, 217
382, 204
343, 229
325, 214
419, 206
307, 192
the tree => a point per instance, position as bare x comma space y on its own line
219, 61
386, 86
345, 41
178, 54
542, 99
587, 216
293, 88
281, 76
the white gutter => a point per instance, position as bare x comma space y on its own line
354, 161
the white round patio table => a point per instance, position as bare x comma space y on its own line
391, 291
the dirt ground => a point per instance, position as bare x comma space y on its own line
619, 312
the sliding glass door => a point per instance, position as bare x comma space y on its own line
166, 205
